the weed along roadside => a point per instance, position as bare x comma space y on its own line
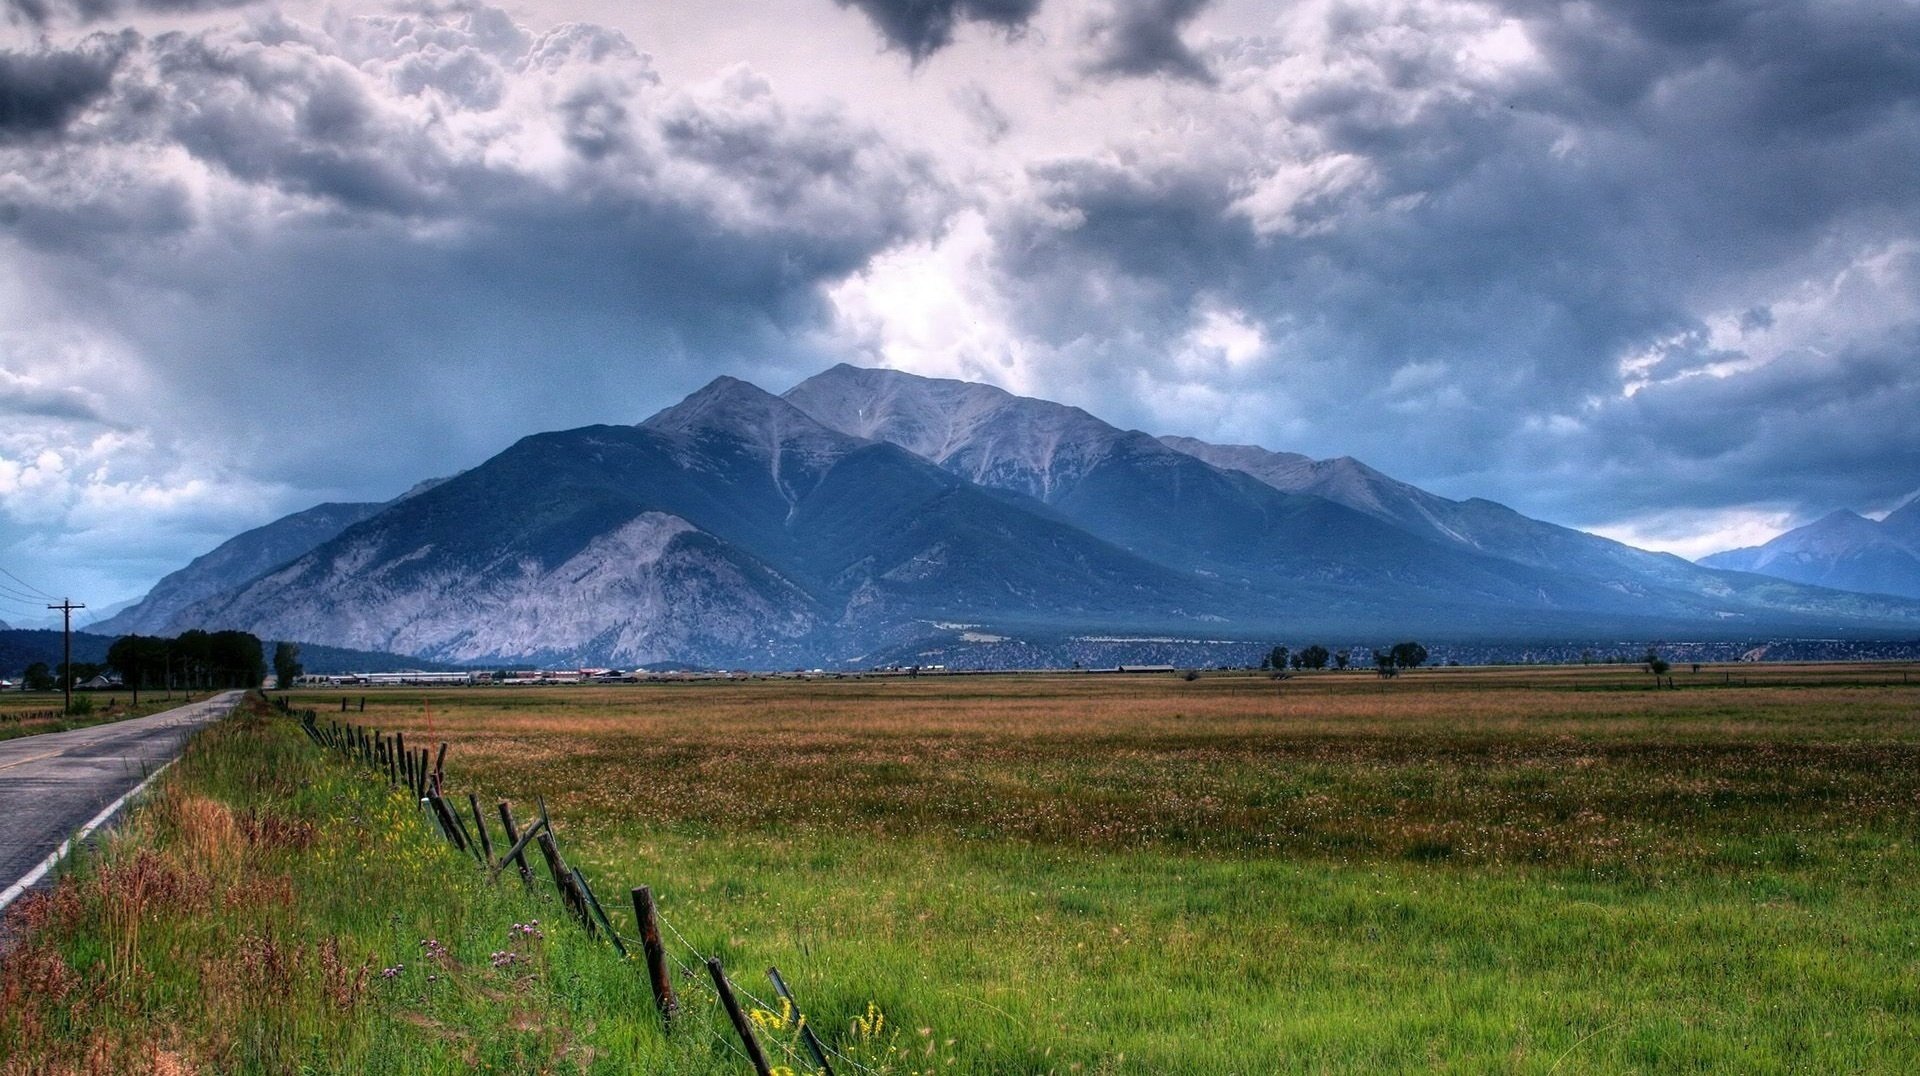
300, 897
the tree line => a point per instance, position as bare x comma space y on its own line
1387, 663
193, 660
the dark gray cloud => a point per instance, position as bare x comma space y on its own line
1142, 37
384, 249
921, 28
1565, 247
42, 91
42, 12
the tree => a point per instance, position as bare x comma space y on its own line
192, 658
1408, 655
141, 661
1656, 664
236, 659
1384, 665
39, 678
286, 664
1277, 658
1315, 657
1342, 659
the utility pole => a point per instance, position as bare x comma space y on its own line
66, 608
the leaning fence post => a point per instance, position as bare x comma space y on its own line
466, 839
448, 820
807, 1036
656, 953
740, 1024
486, 845
562, 881
517, 847
593, 902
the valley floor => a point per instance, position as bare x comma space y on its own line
1541, 870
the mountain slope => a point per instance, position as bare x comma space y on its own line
1842, 550
728, 529
1271, 520
1335, 535
232, 563
1128, 488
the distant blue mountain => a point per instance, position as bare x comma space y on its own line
867, 513
1841, 550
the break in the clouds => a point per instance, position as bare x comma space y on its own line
1640, 266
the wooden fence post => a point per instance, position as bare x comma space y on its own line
740, 1024
807, 1036
563, 881
517, 853
486, 845
586, 891
518, 847
656, 954
448, 821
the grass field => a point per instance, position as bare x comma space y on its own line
1526, 870
28, 713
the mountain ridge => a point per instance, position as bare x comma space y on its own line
1840, 549
864, 512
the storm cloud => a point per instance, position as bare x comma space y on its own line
1643, 266
42, 91
1142, 37
922, 27
1596, 262
392, 243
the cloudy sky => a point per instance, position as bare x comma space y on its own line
1649, 267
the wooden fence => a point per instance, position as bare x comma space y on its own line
421, 772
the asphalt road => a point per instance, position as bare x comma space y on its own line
54, 783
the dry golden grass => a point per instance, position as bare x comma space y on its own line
1563, 765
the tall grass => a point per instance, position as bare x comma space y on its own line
1538, 875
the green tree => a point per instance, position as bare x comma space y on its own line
1656, 664
236, 659
1408, 655
39, 677
1342, 659
141, 661
1315, 657
286, 664
1277, 658
193, 658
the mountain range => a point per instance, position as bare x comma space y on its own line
866, 512
1843, 550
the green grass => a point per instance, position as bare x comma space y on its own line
1534, 873
26, 713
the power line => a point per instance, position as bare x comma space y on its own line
20, 595
43, 595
